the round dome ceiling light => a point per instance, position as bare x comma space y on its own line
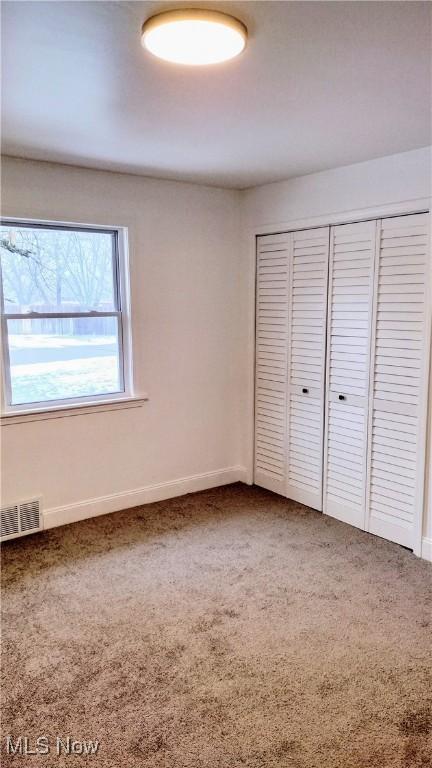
194, 37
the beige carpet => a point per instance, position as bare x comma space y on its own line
223, 629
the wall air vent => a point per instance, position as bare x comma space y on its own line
21, 519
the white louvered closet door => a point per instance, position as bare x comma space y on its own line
397, 415
352, 260
306, 365
272, 284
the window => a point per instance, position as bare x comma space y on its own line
63, 322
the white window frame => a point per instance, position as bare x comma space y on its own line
121, 312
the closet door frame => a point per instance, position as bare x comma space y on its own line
425, 407
426, 429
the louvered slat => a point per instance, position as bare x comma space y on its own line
352, 253
271, 361
397, 383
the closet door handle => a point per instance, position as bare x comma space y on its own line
305, 390
342, 397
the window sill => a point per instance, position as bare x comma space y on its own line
80, 409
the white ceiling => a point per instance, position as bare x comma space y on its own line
321, 84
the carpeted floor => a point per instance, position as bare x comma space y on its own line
229, 628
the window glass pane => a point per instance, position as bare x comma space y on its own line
56, 270
54, 359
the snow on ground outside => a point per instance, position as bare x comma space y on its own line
50, 367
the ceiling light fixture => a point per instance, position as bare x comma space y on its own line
193, 36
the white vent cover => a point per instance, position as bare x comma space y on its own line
20, 519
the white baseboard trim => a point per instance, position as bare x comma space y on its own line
426, 549
72, 513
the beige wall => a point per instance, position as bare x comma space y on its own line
392, 179
186, 291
